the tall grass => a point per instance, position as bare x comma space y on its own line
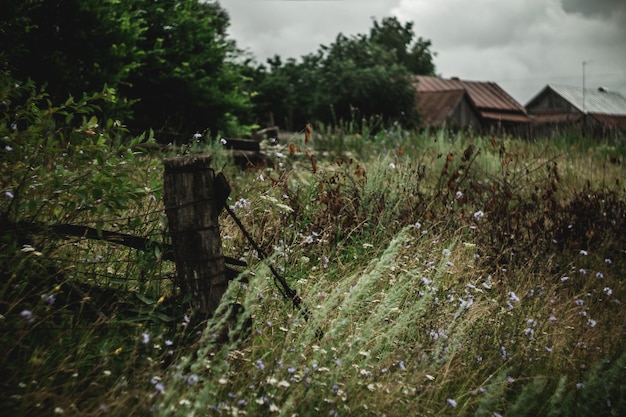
444, 275
429, 298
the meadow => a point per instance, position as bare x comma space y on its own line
446, 274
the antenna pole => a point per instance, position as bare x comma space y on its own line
584, 63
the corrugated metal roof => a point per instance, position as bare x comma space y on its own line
435, 107
595, 100
484, 95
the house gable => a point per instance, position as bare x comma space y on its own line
483, 104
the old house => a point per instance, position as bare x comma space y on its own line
458, 104
597, 112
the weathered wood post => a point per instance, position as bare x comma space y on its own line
192, 209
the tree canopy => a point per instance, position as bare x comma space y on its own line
169, 65
167, 61
362, 77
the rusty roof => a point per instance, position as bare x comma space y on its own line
486, 96
435, 107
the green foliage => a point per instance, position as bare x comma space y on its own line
186, 82
414, 54
167, 63
74, 311
73, 47
363, 79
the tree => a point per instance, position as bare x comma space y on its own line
168, 63
360, 77
187, 82
363, 77
71, 46
287, 93
414, 55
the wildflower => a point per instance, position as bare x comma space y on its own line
27, 315
9, 194
563, 279
223, 141
50, 299
503, 352
579, 302
451, 402
197, 136
552, 319
510, 379
392, 165
261, 177
446, 252
449, 263
592, 322
608, 261
459, 195
279, 155
549, 350
186, 321
260, 364
599, 275
513, 297
8, 148
479, 215
192, 379
117, 351
401, 365
291, 370
580, 385
160, 388
608, 290
583, 252
145, 338
582, 271
13, 126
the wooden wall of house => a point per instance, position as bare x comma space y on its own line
549, 102
464, 116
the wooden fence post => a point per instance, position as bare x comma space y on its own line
192, 209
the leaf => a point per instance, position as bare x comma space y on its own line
145, 299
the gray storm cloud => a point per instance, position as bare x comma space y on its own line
595, 8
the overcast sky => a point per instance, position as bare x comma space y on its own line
520, 44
